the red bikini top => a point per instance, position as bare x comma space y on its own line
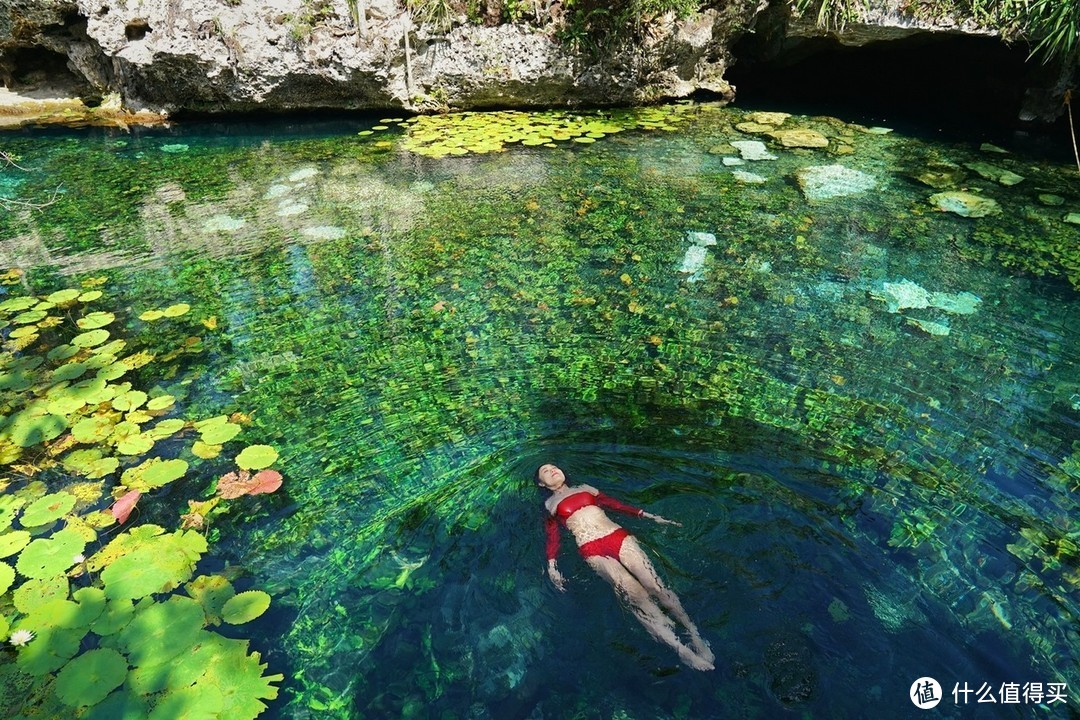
574, 502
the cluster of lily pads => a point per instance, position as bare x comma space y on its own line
468, 133
104, 616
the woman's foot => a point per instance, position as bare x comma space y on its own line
693, 660
701, 647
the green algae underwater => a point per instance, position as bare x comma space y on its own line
844, 358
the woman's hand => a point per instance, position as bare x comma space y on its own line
556, 577
660, 520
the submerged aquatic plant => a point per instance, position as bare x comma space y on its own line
104, 627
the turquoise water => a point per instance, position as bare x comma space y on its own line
865, 500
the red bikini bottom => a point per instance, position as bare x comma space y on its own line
607, 546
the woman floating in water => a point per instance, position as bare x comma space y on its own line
616, 556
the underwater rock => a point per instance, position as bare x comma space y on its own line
1051, 200
324, 232
174, 148
276, 191
902, 295
789, 664
929, 326
752, 150
223, 223
722, 149
839, 611
747, 177
800, 138
291, 208
693, 261
729, 161
961, 303
701, 238
753, 128
303, 174
877, 130
823, 182
1072, 218
995, 173
987, 147
768, 118
965, 204
941, 175
842, 149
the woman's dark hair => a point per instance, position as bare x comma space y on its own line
536, 475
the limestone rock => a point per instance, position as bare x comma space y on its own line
747, 177
1072, 218
703, 239
753, 128
824, 182
732, 161
1051, 200
903, 295
941, 175
929, 327
995, 173
801, 138
965, 204
753, 150
768, 118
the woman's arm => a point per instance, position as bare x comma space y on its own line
551, 525
611, 503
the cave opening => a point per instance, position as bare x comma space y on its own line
35, 66
943, 84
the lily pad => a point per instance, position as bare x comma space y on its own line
92, 429
130, 400
138, 444
45, 558
69, 371
90, 338
121, 705
256, 457
176, 310
161, 631
37, 591
153, 473
89, 678
165, 428
245, 607
48, 508
12, 542
26, 429
219, 433
62, 297
207, 452
90, 296
7, 577
114, 618
159, 565
212, 592
50, 650
161, 402
30, 316
151, 315
95, 320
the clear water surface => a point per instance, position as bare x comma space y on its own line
866, 500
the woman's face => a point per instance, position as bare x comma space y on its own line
551, 477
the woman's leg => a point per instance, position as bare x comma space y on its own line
634, 559
647, 612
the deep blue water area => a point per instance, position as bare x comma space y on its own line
862, 406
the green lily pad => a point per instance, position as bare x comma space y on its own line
256, 457
207, 452
62, 352
181, 671
121, 705
90, 296
4, 625
65, 404
89, 678
17, 380
151, 315
153, 473
61, 297
95, 320
45, 558
69, 371
130, 400
113, 371
219, 433
18, 303
245, 607
176, 310
212, 592
161, 631
48, 508
113, 347
12, 542
197, 702
24, 331
26, 429
7, 577
50, 650
90, 338
30, 316
114, 618
9, 507
161, 402
157, 565
92, 429
216, 420
37, 591
87, 606
137, 444
165, 428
